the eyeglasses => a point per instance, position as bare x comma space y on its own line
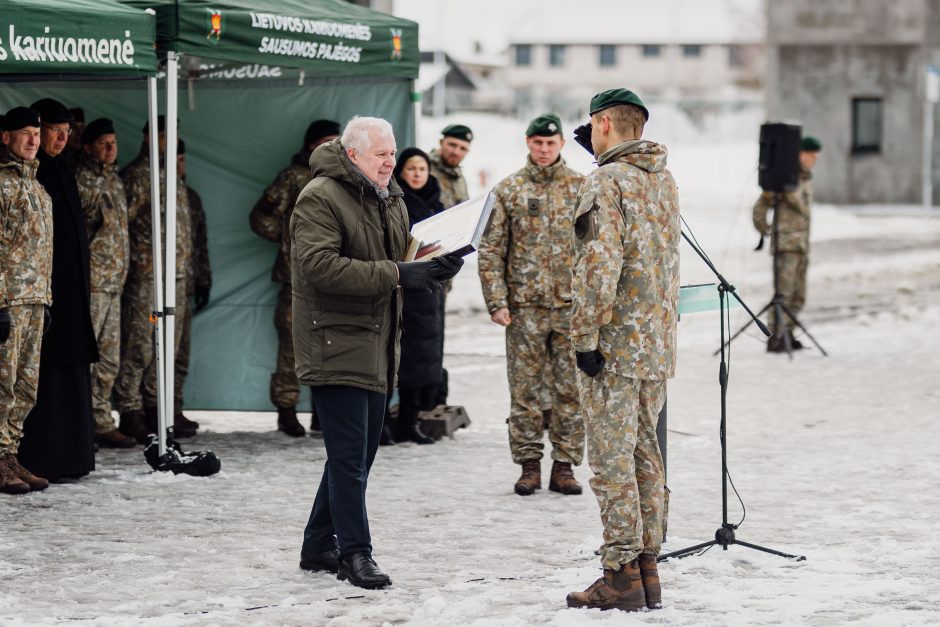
58, 130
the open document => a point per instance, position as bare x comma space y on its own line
457, 230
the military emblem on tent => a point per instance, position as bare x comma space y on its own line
214, 24
396, 44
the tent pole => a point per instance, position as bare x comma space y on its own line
157, 315
170, 249
416, 105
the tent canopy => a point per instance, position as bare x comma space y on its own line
89, 37
322, 37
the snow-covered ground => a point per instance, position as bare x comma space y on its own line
836, 458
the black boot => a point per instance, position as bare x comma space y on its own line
288, 423
386, 438
132, 425
328, 561
362, 571
413, 433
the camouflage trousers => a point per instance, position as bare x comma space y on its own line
19, 373
136, 385
620, 416
285, 388
182, 322
106, 321
539, 355
791, 281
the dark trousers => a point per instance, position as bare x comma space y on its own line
351, 419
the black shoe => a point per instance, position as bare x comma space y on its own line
327, 561
362, 571
413, 433
386, 438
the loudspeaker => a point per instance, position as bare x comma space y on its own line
778, 168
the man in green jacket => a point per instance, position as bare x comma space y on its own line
349, 234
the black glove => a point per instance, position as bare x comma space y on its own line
424, 275
4, 325
46, 318
582, 135
591, 362
202, 297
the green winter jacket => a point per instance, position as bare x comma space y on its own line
346, 307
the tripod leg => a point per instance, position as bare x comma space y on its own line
686, 551
798, 558
746, 325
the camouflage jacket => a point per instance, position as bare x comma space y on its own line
200, 272
453, 185
25, 234
136, 179
105, 207
793, 219
270, 217
526, 253
626, 274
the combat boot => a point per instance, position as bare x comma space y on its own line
288, 423
650, 576
620, 589
182, 427
562, 479
185, 421
9, 482
531, 478
132, 424
35, 483
115, 439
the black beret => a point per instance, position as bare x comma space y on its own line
95, 129
617, 96
52, 111
180, 148
20, 117
161, 124
320, 129
459, 131
810, 144
545, 125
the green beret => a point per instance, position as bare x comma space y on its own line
459, 131
617, 96
810, 144
545, 125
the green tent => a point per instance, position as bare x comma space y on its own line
243, 113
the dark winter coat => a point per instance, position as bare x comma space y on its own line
422, 340
346, 308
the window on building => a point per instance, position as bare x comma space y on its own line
607, 55
866, 125
691, 50
523, 54
652, 50
556, 55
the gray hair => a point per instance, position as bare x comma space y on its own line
356, 134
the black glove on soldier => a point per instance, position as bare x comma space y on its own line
590, 362
46, 318
202, 297
424, 275
4, 325
582, 135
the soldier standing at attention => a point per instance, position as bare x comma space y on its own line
105, 207
525, 261
270, 218
135, 390
445, 164
791, 248
25, 288
623, 325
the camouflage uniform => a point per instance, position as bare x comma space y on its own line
791, 250
453, 185
200, 275
137, 374
525, 261
105, 207
270, 218
626, 291
25, 289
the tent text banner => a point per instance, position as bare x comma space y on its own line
100, 37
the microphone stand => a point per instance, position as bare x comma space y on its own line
724, 536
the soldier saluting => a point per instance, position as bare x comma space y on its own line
623, 325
